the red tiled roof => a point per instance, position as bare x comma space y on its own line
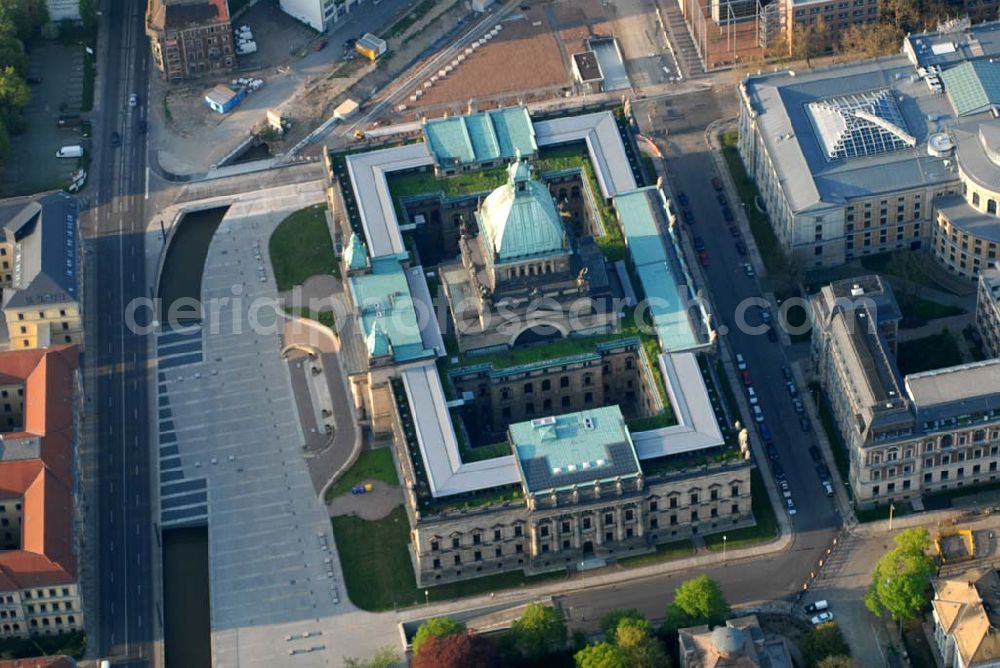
39, 662
43, 484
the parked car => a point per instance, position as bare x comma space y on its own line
779, 472
741, 248
703, 258
791, 507
752, 396
828, 488
142, 127
116, 139
717, 183
818, 606
758, 414
748, 270
765, 432
745, 375
687, 215
772, 335
772, 452
727, 214
823, 471
814, 453
133, 100
319, 45
822, 618
792, 390
699, 244
741, 363
804, 423
765, 315
721, 199
682, 198
734, 231
798, 406
32, 80
786, 372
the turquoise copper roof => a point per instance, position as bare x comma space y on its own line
519, 219
482, 137
377, 341
573, 449
972, 86
356, 254
666, 305
383, 301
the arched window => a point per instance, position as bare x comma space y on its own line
975, 199
991, 206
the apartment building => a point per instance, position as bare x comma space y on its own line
190, 38
40, 270
39, 593
906, 435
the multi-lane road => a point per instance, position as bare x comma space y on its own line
115, 263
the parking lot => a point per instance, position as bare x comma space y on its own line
32, 165
279, 37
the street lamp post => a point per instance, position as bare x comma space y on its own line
723, 547
427, 597
892, 508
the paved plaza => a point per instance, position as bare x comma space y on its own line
231, 452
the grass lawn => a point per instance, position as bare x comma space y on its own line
763, 234
765, 530
71, 644
87, 100
371, 465
917, 647
841, 458
930, 352
917, 310
664, 552
379, 574
323, 317
301, 247
880, 513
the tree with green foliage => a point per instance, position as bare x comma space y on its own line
435, 627
839, 661
88, 15
14, 95
539, 631
697, 601
900, 580
601, 655
384, 657
12, 53
634, 637
609, 622
823, 641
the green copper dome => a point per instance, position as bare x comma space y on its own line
519, 219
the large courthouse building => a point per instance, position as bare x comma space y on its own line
901, 152
531, 437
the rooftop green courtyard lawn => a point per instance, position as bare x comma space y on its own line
930, 352
371, 465
301, 247
379, 574
414, 183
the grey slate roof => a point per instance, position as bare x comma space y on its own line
45, 228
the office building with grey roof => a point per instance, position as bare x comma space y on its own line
897, 153
988, 310
906, 435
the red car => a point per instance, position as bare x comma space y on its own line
703, 258
717, 183
746, 377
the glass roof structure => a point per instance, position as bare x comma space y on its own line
973, 87
860, 124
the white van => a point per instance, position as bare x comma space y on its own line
70, 152
818, 606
